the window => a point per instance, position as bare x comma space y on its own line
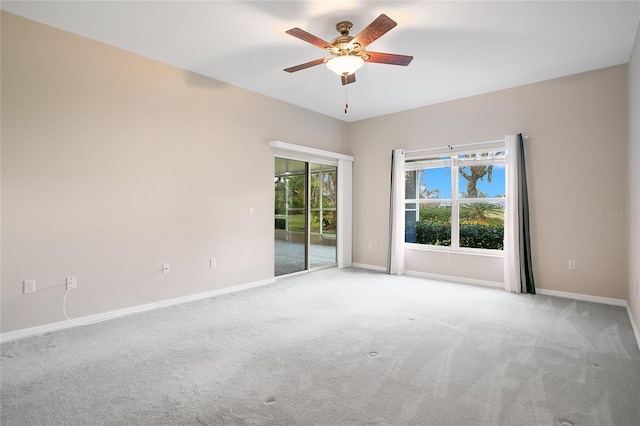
456, 201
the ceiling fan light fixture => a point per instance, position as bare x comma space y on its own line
345, 64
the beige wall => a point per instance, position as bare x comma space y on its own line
577, 165
633, 292
113, 164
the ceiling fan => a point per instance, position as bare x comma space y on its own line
347, 52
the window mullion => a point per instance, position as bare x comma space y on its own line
455, 208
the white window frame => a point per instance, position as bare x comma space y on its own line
454, 161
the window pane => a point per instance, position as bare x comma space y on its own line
329, 189
280, 197
296, 219
482, 181
434, 184
325, 220
323, 187
410, 217
482, 225
433, 226
314, 191
410, 185
296, 190
329, 222
314, 226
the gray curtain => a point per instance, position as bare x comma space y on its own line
526, 266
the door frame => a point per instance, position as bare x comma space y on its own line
344, 164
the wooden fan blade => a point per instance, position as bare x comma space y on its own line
389, 58
374, 30
309, 38
305, 65
348, 79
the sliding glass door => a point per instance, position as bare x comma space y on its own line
305, 216
323, 215
290, 216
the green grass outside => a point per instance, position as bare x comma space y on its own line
297, 224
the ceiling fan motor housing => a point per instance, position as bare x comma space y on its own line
344, 27
342, 44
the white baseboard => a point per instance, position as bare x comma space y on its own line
633, 325
369, 267
11, 336
583, 297
435, 277
460, 280
595, 299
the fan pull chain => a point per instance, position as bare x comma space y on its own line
346, 100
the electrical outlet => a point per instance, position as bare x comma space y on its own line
250, 211
165, 268
370, 246
29, 286
212, 262
71, 283
572, 265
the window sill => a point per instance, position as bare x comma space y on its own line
463, 251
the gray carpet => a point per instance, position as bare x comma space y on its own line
335, 347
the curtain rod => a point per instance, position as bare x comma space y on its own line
458, 146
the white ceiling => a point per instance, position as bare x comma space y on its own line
460, 49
